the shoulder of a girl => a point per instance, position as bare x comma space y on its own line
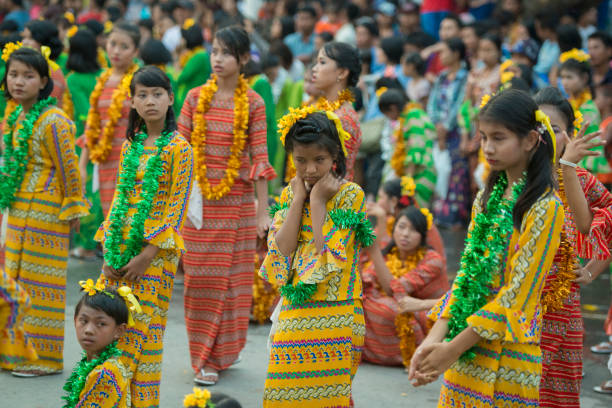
350, 195
55, 116
547, 206
255, 100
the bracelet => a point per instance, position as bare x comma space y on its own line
568, 163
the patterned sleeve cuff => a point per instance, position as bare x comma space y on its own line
276, 266
73, 207
262, 170
596, 245
442, 309
163, 236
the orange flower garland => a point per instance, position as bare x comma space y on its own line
399, 154
67, 105
198, 137
100, 141
343, 97
264, 295
560, 288
583, 98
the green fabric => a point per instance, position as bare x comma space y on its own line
62, 61
91, 222
2, 97
80, 86
195, 73
597, 164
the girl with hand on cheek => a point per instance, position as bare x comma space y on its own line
490, 321
317, 234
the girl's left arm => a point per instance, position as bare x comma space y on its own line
59, 141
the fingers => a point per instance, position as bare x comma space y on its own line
583, 128
590, 136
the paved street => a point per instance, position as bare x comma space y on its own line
374, 386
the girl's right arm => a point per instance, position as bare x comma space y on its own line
287, 236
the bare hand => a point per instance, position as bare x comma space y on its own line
580, 147
376, 210
410, 304
583, 275
414, 374
135, 269
325, 188
299, 189
75, 225
440, 356
110, 272
263, 224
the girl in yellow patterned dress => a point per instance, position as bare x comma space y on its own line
41, 189
491, 319
318, 231
142, 233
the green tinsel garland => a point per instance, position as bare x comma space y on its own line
75, 383
127, 179
16, 160
482, 257
343, 218
276, 207
299, 293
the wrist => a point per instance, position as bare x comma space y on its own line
565, 163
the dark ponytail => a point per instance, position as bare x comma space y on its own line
149, 76
516, 110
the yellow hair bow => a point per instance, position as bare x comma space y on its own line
91, 289
429, 216
72, 31
190, 22
9, 49
574, 54
342, 134
46, 52
69, 16
381, 91
132, 303
199, 398
545, 120
408, 186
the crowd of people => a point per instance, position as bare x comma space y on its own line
294, 161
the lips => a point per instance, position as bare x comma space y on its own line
87, 341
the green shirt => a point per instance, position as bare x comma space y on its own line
195, 73
80, 86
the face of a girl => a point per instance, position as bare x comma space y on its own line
502, 148
151, 103
23, 82
469, 38
28, 41
325, 73
121, 49
557, 122
488, 52
311, 162
95, 330
224, 64
572, 82
405, 236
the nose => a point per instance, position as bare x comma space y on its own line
89, 329
311, 168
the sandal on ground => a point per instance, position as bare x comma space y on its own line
605, 388
605, 347
204, 378
32, 373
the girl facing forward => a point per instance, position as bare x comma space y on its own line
491, 319
314, 243
142, 233
226, 123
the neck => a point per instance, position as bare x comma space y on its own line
228, 84
306, 34
403, 255
331, 94
514, 174
155, 127
120, 70
27, 105
602, 68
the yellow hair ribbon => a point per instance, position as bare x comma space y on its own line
381, 91
429, 216
190, 22
545, 120
574, 54
46, 52
69, 16
132, 303
9, 49
342, 134
72, 31
408, 186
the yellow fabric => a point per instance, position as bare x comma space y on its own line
107, 386
37, 239
508, 363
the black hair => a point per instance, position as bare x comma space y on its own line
146, 23
251, 68
111, 303
418, 221
223, 401
568, 37
307, 9
393, 47
551, 96
548, 19
504, 18
193, 36
83, 52
346, 56
516, 110
393, 188
34, 59
392, 97
114, 13
287, 26
414, 58
526, 74
235, 39
154, 52
149, 76
94, 26
8, 27
478, 27
455, 18
389, 83
326, 36
495, 39
581, 68
602, 36
369, 24
130, 29
456, 45
9, 38
270, 61
46, 33
318, 129
284, 53
419, 39
517, 83
366, 58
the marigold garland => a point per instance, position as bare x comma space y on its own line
344, 96
16, 158
199, 399
127, 179
399, 153
100, 141
583, 98
198, 137
578, 119
264, 295
574, 54
75, 383
67, 105
559, 289
481, 259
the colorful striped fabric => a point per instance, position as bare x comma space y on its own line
142, 345
38, 233
107, 386
219, 260
507, 367
350, 123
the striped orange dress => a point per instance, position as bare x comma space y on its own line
107, 171
59, 86
350, 123
219, 260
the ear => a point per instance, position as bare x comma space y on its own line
531, 141
44, 81
344, 73
119, 330
244, 58
171, 99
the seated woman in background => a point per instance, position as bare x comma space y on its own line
401, 283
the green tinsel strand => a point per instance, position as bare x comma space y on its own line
298, 294
276, 207
345, 219
16, 160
